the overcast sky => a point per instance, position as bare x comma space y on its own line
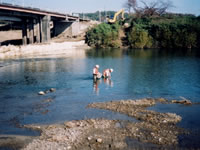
69, 6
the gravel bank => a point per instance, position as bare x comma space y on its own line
158, 129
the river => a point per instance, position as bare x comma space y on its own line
137, 74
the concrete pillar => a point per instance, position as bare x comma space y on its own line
24, 32
75, 28
37, 30
31, 31
45, 29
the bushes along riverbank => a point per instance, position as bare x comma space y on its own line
168, 31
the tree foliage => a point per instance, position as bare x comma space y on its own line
103, 35
166, 31
139, 38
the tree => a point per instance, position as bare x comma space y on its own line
158, 7
139, 38
103, 36
130, 4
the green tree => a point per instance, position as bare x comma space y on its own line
139, 38
103, 35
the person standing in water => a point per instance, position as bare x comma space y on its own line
107, 73
95, 72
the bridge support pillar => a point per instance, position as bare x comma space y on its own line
45, 29
24, 32
37, 30
31, 31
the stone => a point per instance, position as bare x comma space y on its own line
164, 121
89, 138
99, 140
52, 89
186, 102
41, 93
70, 124
118, 125
69, 147
174, 101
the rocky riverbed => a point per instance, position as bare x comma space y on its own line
157, 129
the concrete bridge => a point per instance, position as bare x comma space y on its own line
38, 25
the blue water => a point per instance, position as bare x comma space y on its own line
137, 74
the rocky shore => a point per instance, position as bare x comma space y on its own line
157, 129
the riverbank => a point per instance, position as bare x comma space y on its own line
41, 50
62, 45
148, 32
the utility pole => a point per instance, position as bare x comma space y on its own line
99, 16
105, 14
83, 15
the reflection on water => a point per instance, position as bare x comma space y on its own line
137, 74
96, 86
107, 81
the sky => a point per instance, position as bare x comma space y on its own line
83, 6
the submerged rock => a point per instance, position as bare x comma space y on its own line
41, 93
47, 91
52, 89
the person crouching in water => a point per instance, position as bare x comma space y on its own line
107, 73
96, 73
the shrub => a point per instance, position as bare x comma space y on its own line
167, 31
103, 35
139, 38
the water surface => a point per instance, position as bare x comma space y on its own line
137, 74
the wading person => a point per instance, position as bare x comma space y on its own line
107, 73
96, 73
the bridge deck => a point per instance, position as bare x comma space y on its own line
35, 11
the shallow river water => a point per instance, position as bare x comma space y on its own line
137, 74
